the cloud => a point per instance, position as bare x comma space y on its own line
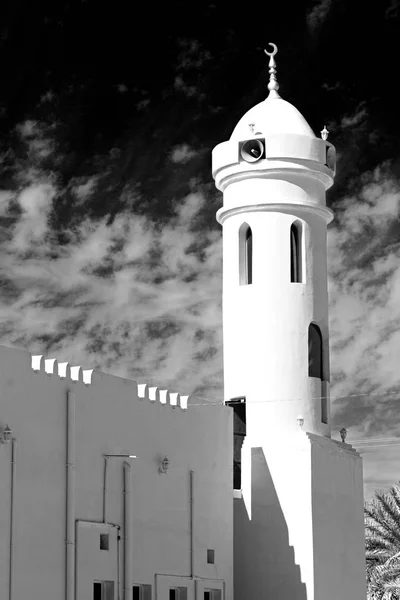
356, 119
129, 296
190, 62
182, 153
364, 288
318, 14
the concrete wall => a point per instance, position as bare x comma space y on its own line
298, 522
111, 418
338, 521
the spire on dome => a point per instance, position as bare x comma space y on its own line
273, 85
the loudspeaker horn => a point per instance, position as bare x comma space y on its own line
252, 151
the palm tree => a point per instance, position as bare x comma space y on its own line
382, 545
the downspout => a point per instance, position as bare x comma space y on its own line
191, 524
12, 520
127, 532
70, 501
105, 488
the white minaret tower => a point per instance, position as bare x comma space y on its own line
299, 529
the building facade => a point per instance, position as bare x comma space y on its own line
80, 518
111, 490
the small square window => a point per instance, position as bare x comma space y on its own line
210, 557
104, 541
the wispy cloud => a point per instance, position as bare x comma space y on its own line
182, 153
190, 62
129, 296
318, 14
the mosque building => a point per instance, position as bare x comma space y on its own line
114, 490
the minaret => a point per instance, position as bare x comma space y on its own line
274, 173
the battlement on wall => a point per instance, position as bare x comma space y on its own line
63, 370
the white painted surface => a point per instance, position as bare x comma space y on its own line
111, 418
299, 529
272, 116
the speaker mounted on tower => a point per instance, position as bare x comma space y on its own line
252, 150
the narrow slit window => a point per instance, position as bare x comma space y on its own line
295, 253
210, 556
245, 255
315, 368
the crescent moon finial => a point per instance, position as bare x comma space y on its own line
274, 49
273, 84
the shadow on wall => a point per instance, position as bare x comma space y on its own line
264, 564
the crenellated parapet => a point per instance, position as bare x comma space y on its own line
162, 396
76, 374
64, 370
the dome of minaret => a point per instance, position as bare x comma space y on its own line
273, 116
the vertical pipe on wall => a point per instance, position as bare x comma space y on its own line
127, 532
191, 532
70, 501
105, 489
12, 520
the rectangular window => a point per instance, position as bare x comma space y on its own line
108, 590
141, 592
97, 591
104, 541
178, 593
136, 592
103, 590
212, 594
239, 433
210, 557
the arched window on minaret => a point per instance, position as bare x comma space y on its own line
295, 253
245, 255
315, 366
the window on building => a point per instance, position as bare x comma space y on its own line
141, 592
97, 590
104, 541
103, 590
245, 255
212, 594
239, 433
178, 593
295, 253
210, 556
315, 368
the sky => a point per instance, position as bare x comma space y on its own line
110, 251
